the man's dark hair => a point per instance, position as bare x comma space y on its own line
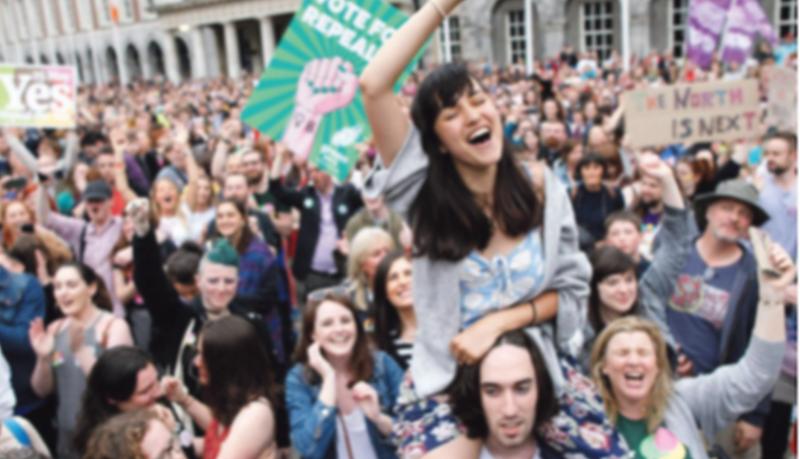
789, 137
181, 266
623, 216
91, 138
465, 391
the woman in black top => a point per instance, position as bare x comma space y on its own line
592, 200
395, 321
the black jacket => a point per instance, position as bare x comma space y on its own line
346, 202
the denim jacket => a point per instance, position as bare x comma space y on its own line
313, 424
21, 301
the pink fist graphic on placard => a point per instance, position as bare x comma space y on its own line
326, 85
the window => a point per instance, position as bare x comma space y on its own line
32, 20
125, 10
679, 14
516, 36
597, 27
147, 9
103, 10
455, 38
787, 18
85, 15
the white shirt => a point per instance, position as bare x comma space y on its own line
7, 397
485, 454
358, 435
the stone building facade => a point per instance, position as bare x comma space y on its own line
184, 39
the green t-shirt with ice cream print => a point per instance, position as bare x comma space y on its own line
660, 445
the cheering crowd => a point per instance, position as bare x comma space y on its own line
501, 276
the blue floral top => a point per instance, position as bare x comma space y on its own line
489, 285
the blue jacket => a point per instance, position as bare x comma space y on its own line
21, 301
313, 424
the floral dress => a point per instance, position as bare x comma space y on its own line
580, 429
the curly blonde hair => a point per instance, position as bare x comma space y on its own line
121, 436
662, 388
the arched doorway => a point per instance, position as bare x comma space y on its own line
156, 59
184, 59
44, 59
82, 75
90, 68
60, 58
249, 37
132, 62
112, 65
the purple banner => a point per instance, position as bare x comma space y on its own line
706, 20
746, 19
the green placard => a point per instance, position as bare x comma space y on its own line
308, 95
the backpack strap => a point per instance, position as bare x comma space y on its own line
82, 243
18, 431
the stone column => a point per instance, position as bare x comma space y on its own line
147, 67
640, 27
170, 58
214, 66
99, 74
267, 39
232, 58
554, 35
199, 68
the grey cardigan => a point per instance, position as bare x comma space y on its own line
710, 402
436, 298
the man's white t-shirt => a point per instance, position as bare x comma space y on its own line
485, 454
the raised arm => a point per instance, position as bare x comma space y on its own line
386, 118
120, 177
668, 259
148, 274
289, 197
20, 151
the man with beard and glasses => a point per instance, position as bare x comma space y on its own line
712, 309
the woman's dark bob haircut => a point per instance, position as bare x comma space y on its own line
465, 391
591, 158
606, 261
446, 220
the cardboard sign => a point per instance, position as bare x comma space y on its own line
37, 96
308, 95
688, 113
781, 85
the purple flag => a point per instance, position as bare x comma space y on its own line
746, 18
706, 20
